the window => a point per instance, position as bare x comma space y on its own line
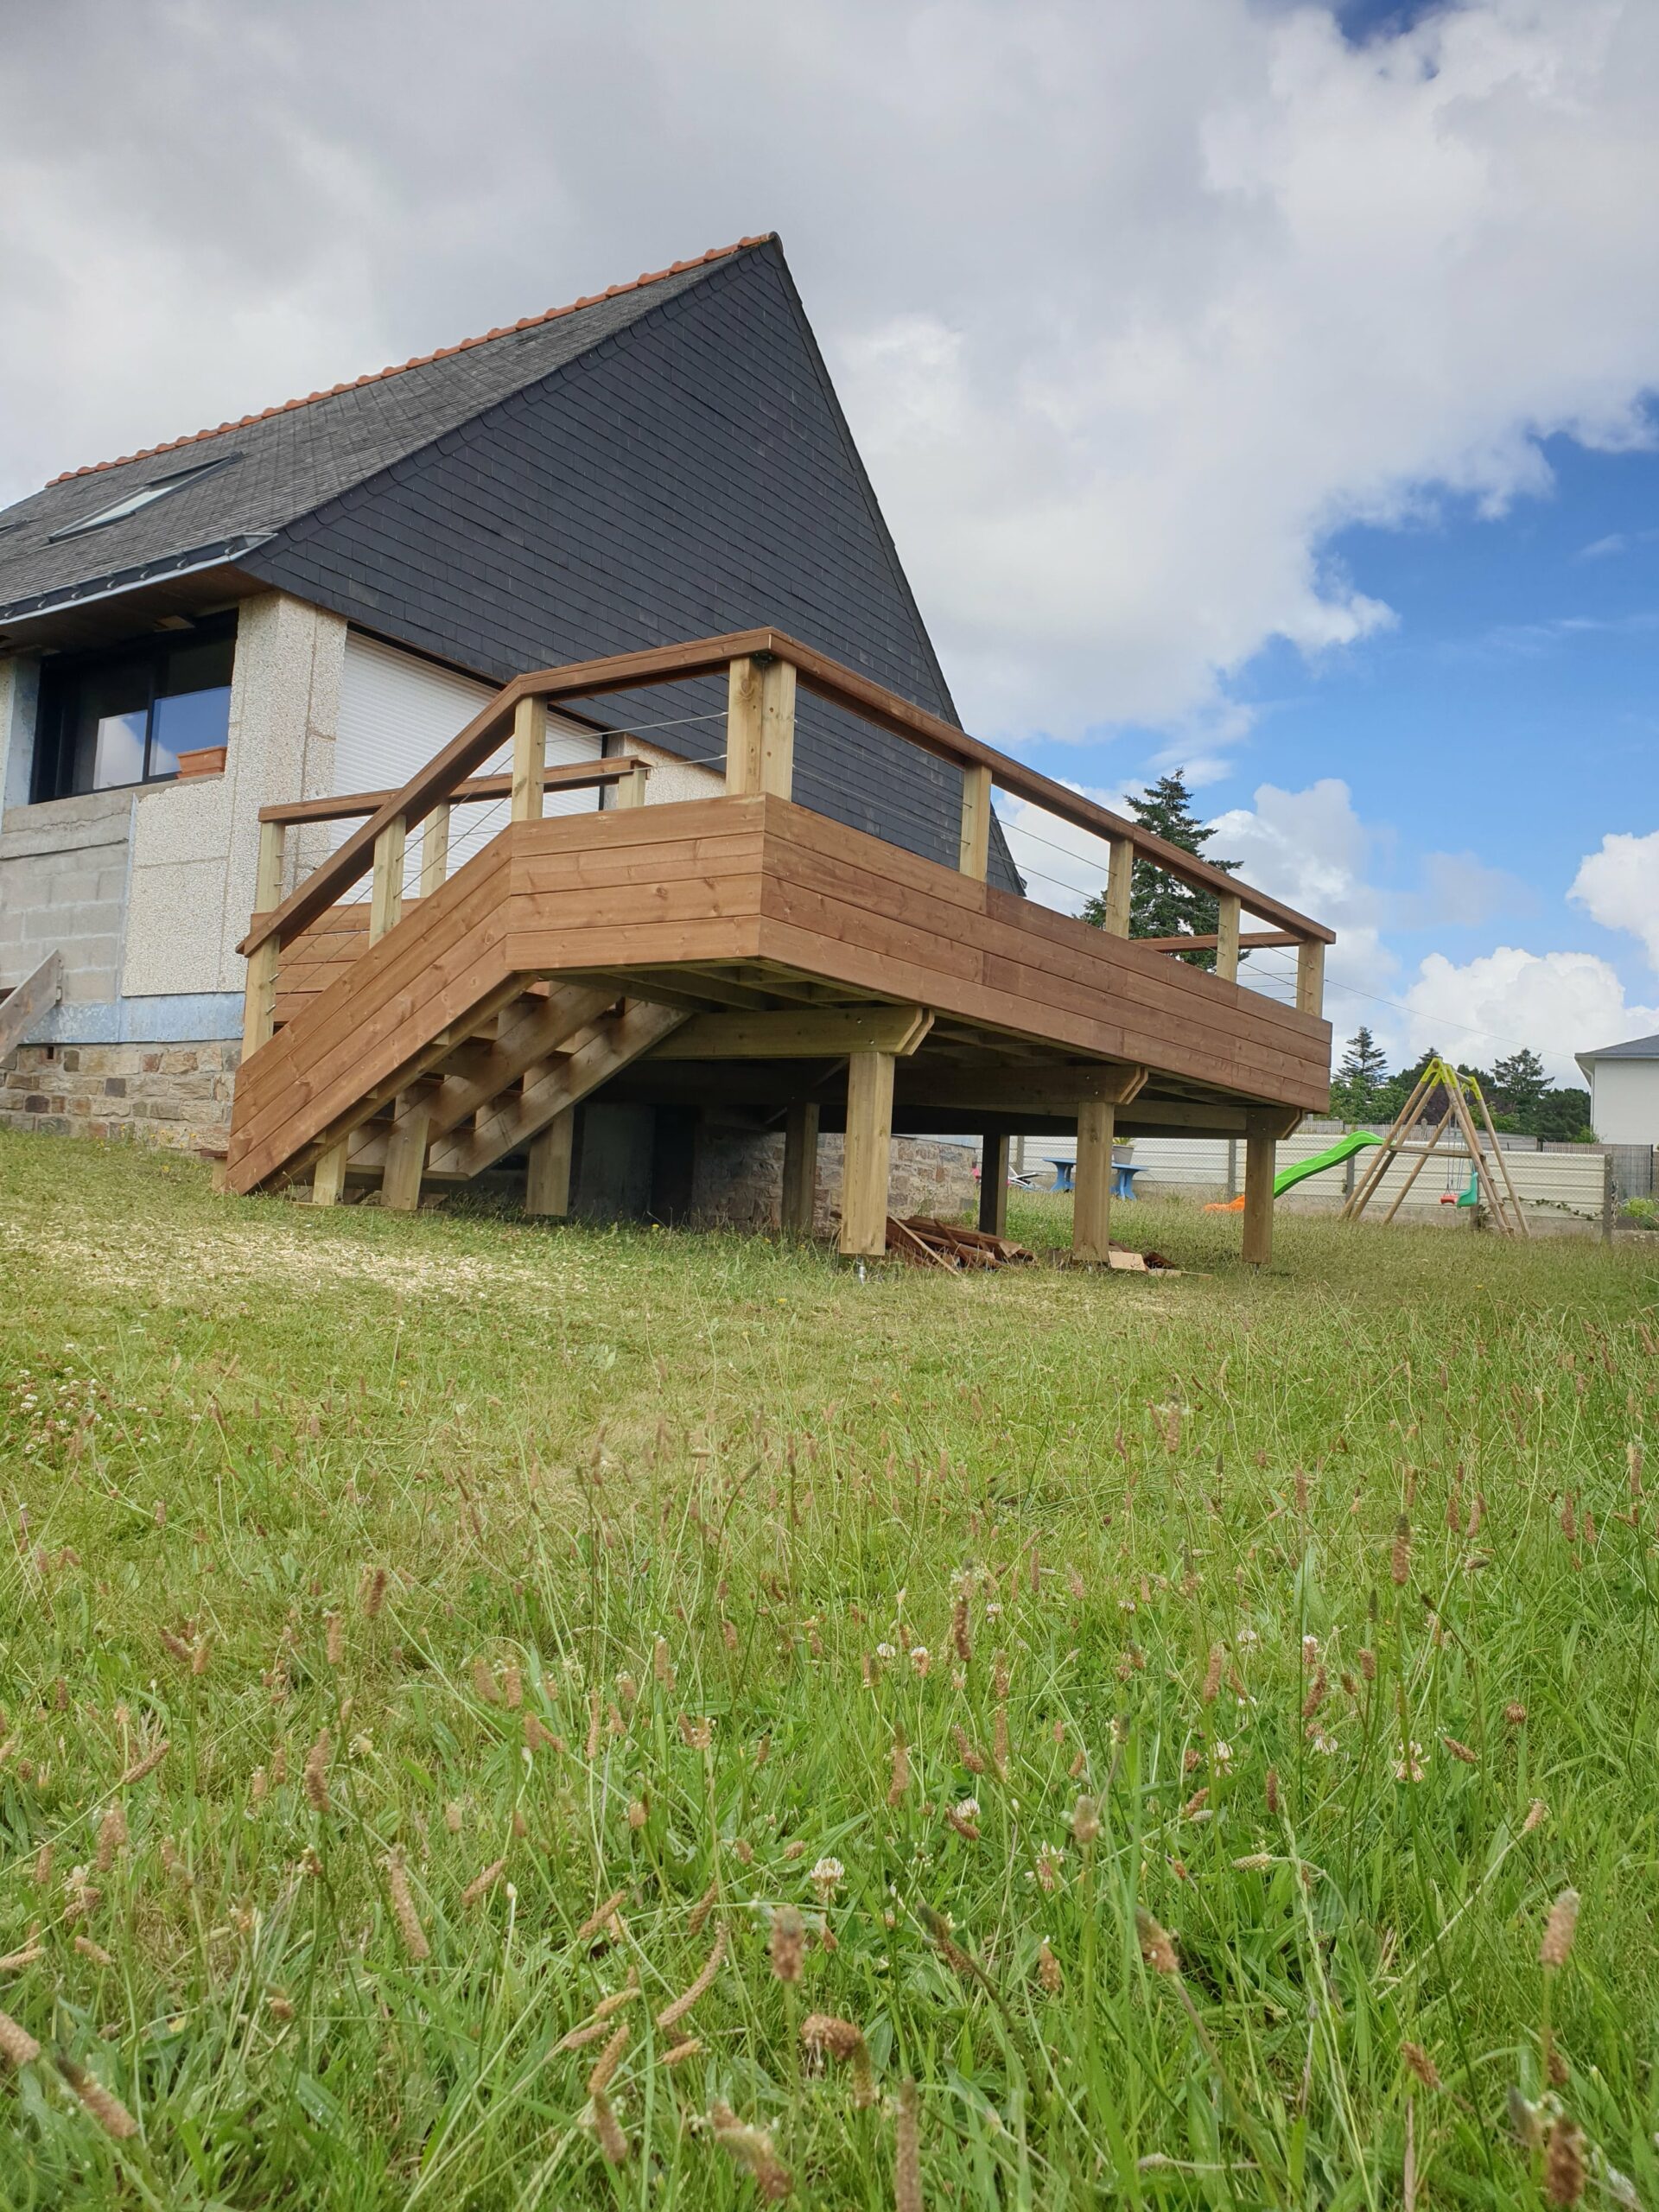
131, 502
125, 715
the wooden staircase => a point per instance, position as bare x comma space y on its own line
431, 1058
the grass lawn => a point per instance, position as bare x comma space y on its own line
499, 1716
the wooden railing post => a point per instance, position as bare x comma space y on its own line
259, 1000
777, 729
973, 854
1119, 880
529, 759
386, 893
868, 1159
760, 727
1310, 977
1229, 913
631, 790
435, 850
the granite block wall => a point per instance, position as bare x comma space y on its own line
177, 1095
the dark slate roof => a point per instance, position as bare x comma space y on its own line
293, 459
1637, 1048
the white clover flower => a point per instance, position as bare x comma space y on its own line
885, 1651
826, 1877
1221, 1758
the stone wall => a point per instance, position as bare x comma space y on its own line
739, 1179
173, 1094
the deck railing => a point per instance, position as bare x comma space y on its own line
763, 669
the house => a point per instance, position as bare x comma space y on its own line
1624, 1082
592, 625
327, 591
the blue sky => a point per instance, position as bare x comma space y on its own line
1506, 719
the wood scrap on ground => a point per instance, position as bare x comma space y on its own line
929, 1244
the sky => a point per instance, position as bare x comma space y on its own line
1257, 389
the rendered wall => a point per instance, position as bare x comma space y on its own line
1624, 1101
195, 844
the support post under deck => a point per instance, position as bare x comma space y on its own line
547, 1187
800, 1168
1261, 1135
868, 1156
994, 1186
1091, 1204
400, 1179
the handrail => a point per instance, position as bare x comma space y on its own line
560, 775
434, 784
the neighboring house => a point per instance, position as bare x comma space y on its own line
1624, 1082
313, 599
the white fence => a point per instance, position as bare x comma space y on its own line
1572, 1180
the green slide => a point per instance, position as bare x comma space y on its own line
1287, 1178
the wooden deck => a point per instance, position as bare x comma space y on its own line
742, 955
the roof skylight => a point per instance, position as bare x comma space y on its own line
146, 495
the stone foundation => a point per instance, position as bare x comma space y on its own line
173, 1094
179, 1096
738, 1178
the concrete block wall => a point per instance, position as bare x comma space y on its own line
63, 882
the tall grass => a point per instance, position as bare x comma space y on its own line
498, 1716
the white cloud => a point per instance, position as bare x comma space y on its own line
1459, 890
1063, 866
1311, 849
1559, 1003
1131, 305
1618, 886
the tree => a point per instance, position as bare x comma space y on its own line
1519, 1085
1562, 1117
1358, 1088
1158, 906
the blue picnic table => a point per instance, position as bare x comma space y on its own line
1123, 1176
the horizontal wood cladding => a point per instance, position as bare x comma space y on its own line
738, 882
842, 906
379, 1020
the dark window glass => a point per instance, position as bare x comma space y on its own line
125, 715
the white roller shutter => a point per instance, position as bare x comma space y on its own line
396, 711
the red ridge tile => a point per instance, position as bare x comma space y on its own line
421, 360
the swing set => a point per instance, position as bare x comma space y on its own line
1491, 1195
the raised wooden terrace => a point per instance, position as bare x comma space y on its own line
743, 956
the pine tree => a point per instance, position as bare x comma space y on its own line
1358, 1084
1158, 906
1519, 1085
